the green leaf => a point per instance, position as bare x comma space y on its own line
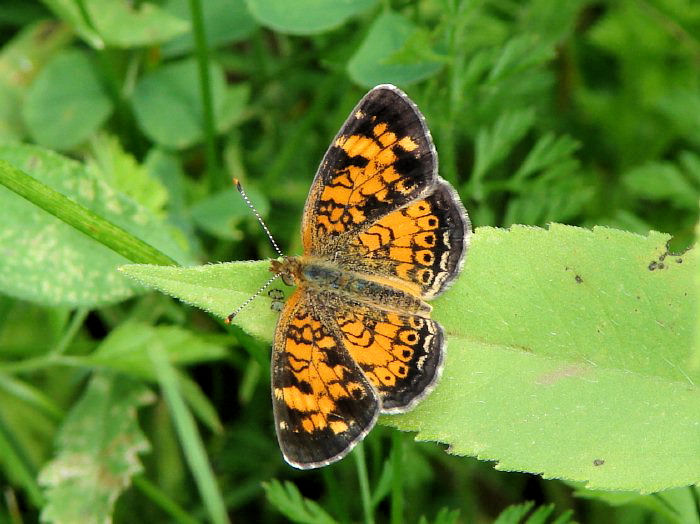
493, 145
444, 516
231, 109
559, 194
120, 170
547, 152
219, 213
675, 505
305, 17
67, 102
123, 24
568, 353
662, 181
34, 44
18, 428
564, 365
125, 348
71, 13
31, 396
514, 514
225, 22
168, 106
97, 452
217, 288
289, 501
373, 63
519, 54
50, 262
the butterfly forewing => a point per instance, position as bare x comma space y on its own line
323, 404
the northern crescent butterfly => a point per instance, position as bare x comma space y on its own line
382, 234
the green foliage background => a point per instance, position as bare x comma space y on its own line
118, 401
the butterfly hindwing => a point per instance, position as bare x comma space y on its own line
323, 404
400, 353
422, 244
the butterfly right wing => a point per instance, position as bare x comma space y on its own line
377, 205
323, 404
382, 158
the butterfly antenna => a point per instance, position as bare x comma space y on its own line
257, 215
257, 293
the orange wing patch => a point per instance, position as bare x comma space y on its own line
400, 354
420, 244
322, 402
369, 173
381, 159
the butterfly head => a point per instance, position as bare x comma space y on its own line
289, 268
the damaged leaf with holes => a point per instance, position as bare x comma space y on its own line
97, 451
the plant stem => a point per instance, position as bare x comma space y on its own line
188, 435
75, 323
33, 364
81, 218
359, 455
162, 500
696, 499
396, 478
202, 51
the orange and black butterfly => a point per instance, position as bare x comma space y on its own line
382, 234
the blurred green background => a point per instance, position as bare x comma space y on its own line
579, 112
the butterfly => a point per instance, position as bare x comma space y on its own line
382, 233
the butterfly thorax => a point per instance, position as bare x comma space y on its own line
325, 276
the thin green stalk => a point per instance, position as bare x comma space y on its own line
14, 513
190, 439
396, 477
33, 364
696, 499
81, 218
17, 458
162, 500
75, 323
290, 149
338, 500
359, 455
31, 396
202, 51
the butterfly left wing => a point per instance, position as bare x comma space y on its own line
322, 402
